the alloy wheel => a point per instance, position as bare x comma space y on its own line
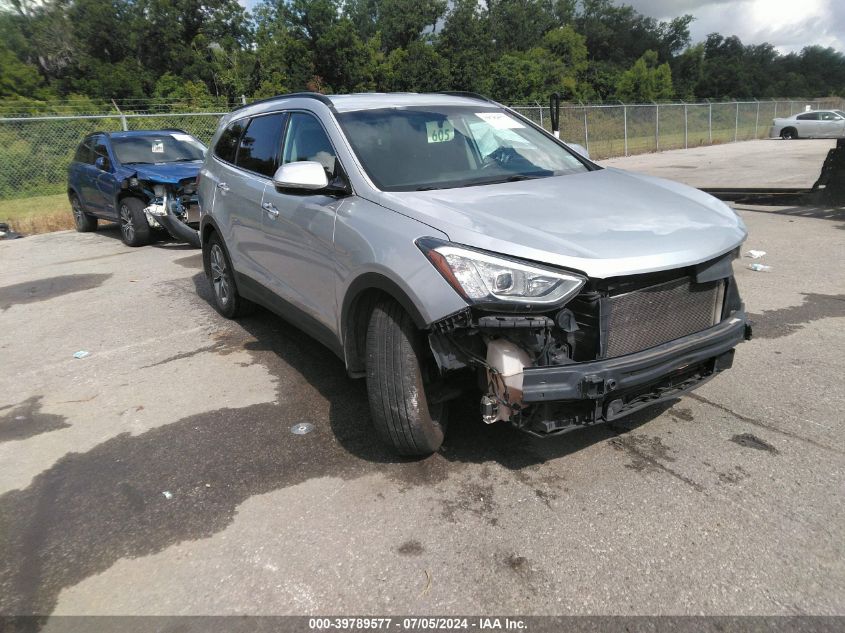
219, 275
126, 225
77, 211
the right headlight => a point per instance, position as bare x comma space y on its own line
482, 278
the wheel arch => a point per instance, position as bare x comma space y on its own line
358, 303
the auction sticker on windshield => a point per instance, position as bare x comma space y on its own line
499, 120
439, 131
158, 147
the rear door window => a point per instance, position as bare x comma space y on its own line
258, 150
227, 144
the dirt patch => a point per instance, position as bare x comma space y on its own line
786, 321
650, 454
44, 289
752, 441
680, 413
411, 548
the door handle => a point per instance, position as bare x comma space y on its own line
222, 186
271, 209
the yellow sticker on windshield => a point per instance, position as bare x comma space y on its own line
439, 131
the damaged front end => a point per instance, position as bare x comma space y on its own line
171, 206
599, 351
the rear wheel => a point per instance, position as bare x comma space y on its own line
221, 277
788, 133
401, 376
84, 223
134, 229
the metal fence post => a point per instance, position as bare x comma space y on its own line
586, 132
710, 121
686, 128
757, 121
776, 110
657, 127
625, 119
736, 127
541, 115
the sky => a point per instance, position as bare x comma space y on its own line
789, 25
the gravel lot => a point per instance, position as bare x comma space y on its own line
729, 501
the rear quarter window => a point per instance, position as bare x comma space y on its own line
84, 153
227, 144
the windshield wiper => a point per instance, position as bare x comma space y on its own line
185, 160
427, 188
138, 162
498, 181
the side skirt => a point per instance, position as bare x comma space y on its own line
260, 294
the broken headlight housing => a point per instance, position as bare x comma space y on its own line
487, 279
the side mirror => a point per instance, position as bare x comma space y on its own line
102, 163
305, 175
580, 149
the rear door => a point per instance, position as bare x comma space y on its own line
237, 200
298, 247
808, 124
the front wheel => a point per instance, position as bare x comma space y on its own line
400, 376
134, 228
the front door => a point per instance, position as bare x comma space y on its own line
298, 229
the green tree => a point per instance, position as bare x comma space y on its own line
416, 68
645, 81
465, 43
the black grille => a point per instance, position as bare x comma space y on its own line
644, 318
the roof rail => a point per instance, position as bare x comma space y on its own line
306, 95
463, 93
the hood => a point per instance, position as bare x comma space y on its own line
165, 173
603, 223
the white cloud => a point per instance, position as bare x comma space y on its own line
786, 24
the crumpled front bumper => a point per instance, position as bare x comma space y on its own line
612, 388
162, 213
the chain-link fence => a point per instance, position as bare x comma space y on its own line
36, 150
623, 129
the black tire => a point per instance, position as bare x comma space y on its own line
84, 222
134, 229
221, 278
788, 133
398, 372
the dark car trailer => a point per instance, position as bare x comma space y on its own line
829, 188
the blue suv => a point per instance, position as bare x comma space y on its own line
145, 180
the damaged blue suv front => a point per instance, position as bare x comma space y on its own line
144, 180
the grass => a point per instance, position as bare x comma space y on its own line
39, 214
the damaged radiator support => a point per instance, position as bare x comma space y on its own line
610, 323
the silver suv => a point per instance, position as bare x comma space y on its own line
431, 238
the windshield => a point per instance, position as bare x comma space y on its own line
840, 113
158, 148
416, 149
